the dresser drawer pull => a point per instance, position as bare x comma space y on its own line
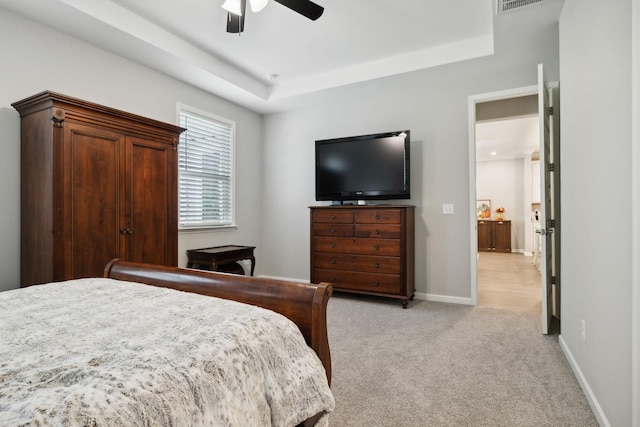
376, 265
333, 244
332, 279
377, 231
377, 216
376, 283
333, 230
333, 217
376, 247
333, 260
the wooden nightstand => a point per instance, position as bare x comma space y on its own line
221, 258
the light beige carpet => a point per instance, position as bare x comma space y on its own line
438, 364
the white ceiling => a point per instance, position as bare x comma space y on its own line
509, 138
353, 41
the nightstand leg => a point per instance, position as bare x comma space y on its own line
253, 264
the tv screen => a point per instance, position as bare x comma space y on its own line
365, 167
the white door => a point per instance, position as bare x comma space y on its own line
546, 192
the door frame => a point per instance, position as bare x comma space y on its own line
473, 223
635, 222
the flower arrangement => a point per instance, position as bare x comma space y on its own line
499, 212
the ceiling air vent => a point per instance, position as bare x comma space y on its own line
505, 6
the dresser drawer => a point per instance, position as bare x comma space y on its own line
373, 264
340, 230
333, 216
378, 216
349, 280
341, 245
382, 231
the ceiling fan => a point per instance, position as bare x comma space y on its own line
236, 11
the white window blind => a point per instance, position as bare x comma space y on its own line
206, 171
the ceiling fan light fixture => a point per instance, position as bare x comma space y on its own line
233, 6
258, 5
236, 9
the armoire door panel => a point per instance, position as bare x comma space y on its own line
151, 199
94, 199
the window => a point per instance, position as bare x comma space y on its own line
206, 170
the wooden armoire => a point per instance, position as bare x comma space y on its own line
96, 184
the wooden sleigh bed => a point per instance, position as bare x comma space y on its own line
303, 304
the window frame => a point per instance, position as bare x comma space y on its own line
204, 227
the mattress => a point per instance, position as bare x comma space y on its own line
104, 352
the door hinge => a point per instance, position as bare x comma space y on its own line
552, 223
553, 280
552, 167
550, 111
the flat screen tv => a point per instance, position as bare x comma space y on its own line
365, 167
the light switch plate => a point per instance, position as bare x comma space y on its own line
447, 209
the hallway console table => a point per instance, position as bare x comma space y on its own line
494, 235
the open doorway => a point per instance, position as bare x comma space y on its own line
549, 176
508, 200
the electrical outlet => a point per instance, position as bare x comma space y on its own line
583, 325
447, 209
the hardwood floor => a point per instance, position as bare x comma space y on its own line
508, 281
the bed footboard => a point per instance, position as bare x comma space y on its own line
304, 304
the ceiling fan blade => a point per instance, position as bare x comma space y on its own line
235, 23
303, 7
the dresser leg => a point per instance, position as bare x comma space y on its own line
405, 303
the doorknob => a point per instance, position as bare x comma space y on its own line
544, 232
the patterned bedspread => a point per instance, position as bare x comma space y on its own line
101, 352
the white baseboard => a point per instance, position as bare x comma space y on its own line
444, 298
418, 295
286, 279
584, 384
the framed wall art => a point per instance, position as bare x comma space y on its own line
483, 208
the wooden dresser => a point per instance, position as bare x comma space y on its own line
364, 249
96, 184
494, 235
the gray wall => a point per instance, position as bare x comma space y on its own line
35, 58
433, 105
595, 76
